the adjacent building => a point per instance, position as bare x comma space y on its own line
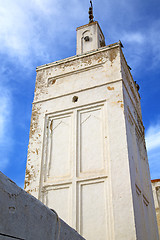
156, 196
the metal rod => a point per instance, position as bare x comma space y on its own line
91, 12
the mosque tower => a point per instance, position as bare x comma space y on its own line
87, 157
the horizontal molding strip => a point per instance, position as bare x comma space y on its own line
51, 79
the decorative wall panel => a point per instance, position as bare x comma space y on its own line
93, 210
59, 199
91, 140
60, 144
75, 169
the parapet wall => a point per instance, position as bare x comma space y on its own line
24, 217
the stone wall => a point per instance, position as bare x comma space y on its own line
156, 195
24, 217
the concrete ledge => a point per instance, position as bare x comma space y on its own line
24, 217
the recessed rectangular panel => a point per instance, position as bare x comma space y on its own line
91, 140
93, 220
61, 144
60, 200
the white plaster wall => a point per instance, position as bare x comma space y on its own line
24, 217
98, 191
56, 96
145, 217
77, 73
94, 32
96, 80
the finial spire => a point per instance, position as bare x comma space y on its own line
91, 13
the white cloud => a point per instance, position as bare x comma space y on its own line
20, 31
153, 40
153, 137
141, 46
153, 147
133, 37
5, 113
5, 126
30, 30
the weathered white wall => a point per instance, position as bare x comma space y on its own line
89, 156
139, 168
24, 217
63, 163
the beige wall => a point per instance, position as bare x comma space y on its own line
156, 195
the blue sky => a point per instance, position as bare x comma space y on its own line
35, 32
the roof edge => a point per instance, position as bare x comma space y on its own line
117, 44
155, 180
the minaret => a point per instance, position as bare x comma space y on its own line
87, 157
90, 36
